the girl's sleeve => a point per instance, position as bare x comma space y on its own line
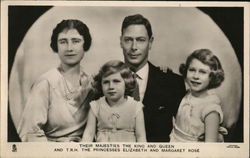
34, 116
139, 107
94, 107
212, 107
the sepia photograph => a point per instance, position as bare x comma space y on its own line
124, 79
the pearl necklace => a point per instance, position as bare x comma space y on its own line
68, 94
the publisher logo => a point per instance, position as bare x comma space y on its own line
14, 149
233, 146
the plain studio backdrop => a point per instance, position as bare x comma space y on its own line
177, 33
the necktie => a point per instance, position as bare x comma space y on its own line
136, 93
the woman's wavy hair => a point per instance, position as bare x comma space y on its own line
208, 58
82, 29
112, 67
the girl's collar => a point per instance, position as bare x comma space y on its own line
117, 104
203, 94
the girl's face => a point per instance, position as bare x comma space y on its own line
70, 47
113, 87
198, 76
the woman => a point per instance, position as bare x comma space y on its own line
57, 107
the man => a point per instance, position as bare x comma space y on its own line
160, 92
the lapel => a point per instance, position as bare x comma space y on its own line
150, 84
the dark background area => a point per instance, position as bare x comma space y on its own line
229, 19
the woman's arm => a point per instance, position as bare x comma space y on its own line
34, 117
140, 128
212, 121
90, 130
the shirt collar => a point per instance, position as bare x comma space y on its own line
143, 72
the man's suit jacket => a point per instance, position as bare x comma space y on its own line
163, 95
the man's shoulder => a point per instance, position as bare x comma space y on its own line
164, 74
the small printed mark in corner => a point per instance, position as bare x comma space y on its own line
233, 146
14, 148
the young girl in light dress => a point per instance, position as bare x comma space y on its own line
115, 116
200, 115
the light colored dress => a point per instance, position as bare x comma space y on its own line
116, 124
189, 124
48, 114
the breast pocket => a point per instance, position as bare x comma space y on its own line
161, 109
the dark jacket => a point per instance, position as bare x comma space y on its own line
163, 95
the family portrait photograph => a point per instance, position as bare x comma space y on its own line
124, 79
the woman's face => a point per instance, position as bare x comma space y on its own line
198, 76
113, 87
70, 47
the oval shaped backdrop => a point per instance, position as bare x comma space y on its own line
177, 32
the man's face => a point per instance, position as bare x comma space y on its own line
136, 44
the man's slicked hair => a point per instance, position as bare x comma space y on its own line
137, 19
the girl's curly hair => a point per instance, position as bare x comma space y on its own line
112, 67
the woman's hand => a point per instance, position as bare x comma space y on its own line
85, 82
82, 91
